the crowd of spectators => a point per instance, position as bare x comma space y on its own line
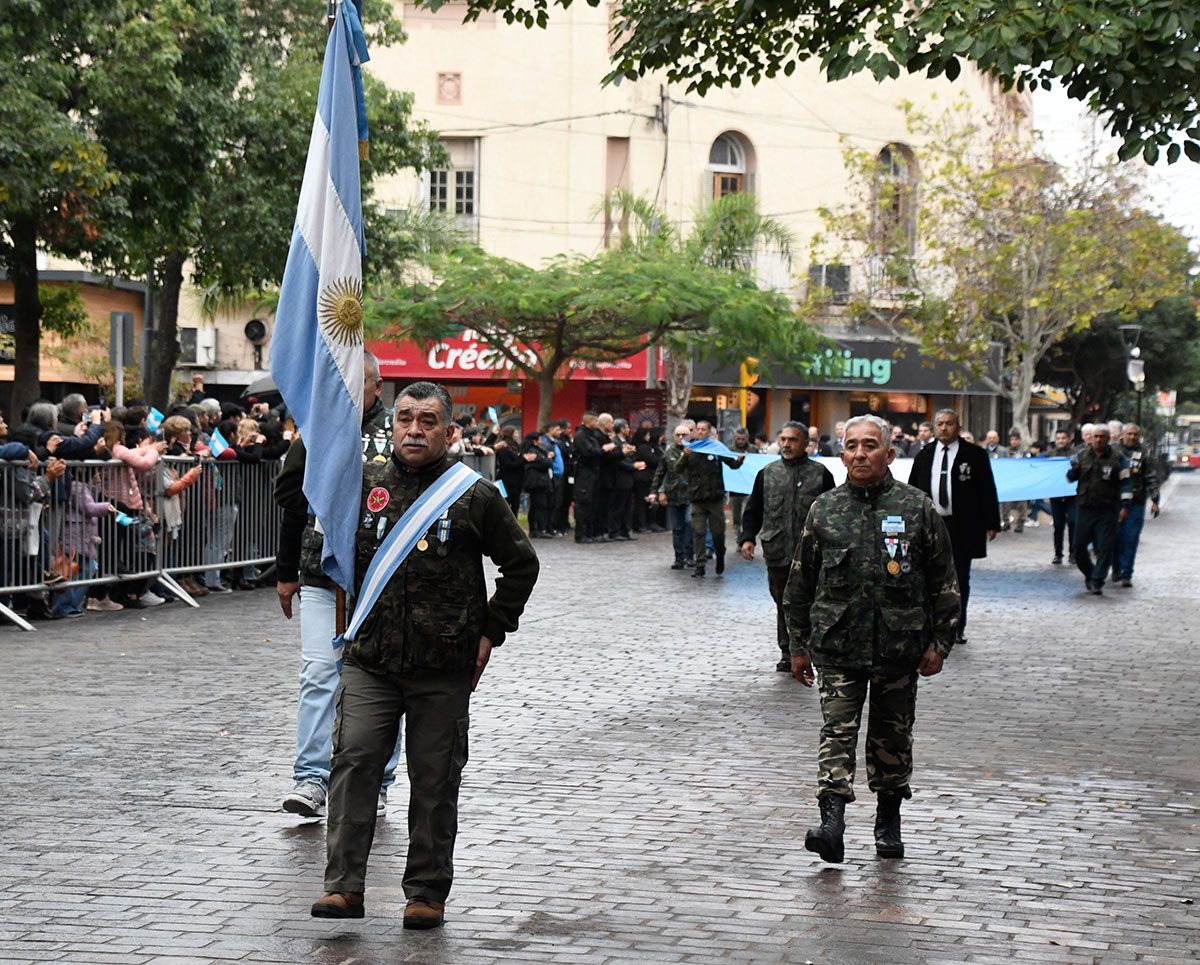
91, 492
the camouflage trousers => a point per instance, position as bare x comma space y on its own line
890, 717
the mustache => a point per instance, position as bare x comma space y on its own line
414, 441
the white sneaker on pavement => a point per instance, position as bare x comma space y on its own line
307, 799
381, 806
151, 598
104, 606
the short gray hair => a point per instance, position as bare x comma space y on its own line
882, 425
1131, 425
427, 390
953, 412
793, 424
372, 364
1088, 427
72, 407
44, 415
619, 424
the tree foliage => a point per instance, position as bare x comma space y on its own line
577, 311
56, 180
1133, 63
1090, 365
1009, 249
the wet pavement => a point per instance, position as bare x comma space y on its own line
639, 785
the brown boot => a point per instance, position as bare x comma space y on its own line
424, 913
338, 904
192, 587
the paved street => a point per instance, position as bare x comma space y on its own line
639, 786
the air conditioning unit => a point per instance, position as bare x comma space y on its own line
198, 346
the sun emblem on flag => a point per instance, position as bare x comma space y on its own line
340, 311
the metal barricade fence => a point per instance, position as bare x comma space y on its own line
85, 528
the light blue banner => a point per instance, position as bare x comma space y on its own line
1017, 480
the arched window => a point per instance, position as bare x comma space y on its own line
895, 200
730, 160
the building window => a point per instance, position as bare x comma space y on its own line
730, 164
616, 176
833, 280
454, 189
895, 201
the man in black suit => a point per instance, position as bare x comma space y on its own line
958, 477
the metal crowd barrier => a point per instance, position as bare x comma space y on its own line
227, 518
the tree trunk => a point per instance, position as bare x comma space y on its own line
679, 384
1019, 392
27, 380
545, 384
164, 349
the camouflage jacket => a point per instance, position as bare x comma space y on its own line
1143, 477
705, 478
668, 479
377, 448
435, 607
873, 580
1103, 480
783, 493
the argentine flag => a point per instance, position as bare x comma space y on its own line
317, 347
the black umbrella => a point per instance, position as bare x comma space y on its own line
261, 387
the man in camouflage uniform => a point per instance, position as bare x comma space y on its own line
1143, 485
872, 603
706, 493
418, 655
1102, 502
298, 570
670, 488
783, 494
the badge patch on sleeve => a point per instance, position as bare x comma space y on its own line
377, 499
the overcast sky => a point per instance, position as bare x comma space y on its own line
1065, 125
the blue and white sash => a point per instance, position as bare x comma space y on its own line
400, 542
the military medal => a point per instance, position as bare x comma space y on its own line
905, 566
368, 520
380, 442
377, 499
443, 529
904, 547
381, 527
893, 568
892, 544
422, 544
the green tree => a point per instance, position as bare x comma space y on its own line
1135, 64
1090, 365
56, 180
996, 246
730, 234
207, 111
580, 311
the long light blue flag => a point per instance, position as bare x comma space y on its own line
1016, 479
317, 347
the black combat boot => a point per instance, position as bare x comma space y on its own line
887, 825
827, 839
698, 571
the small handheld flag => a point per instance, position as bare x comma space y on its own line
154, 419
217, 443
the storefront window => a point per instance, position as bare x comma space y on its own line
907, 409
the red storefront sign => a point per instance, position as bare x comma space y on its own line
464, 358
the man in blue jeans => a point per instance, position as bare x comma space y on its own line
1143, 483
669, 487
298, 567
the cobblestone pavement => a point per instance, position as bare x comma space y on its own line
640, 782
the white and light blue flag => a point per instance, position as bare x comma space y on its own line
317, 347
154, 419
217, 443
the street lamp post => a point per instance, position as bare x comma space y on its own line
1135, 368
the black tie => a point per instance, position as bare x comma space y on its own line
944, 480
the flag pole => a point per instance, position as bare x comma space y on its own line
339, 595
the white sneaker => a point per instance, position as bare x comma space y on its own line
307, 799
381, 805
104, 606
152, 599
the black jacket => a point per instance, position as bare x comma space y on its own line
537, 471
976, 509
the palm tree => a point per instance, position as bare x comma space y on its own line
729, 232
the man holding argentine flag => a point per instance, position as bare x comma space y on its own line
409, 547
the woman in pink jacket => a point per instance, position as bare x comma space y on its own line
134, 552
